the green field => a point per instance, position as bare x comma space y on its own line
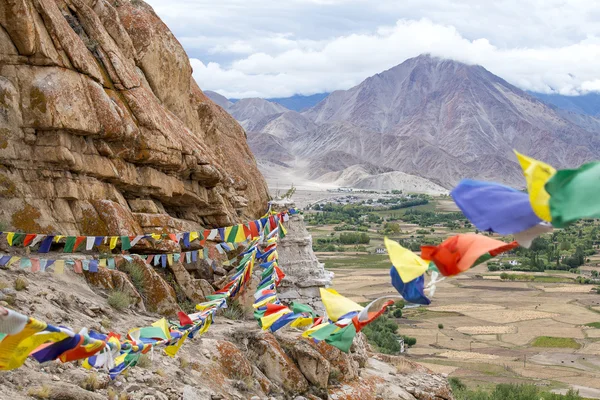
345, 260
555, 342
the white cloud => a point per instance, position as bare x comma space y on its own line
347, 60
271, 48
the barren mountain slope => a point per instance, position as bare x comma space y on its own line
439, 118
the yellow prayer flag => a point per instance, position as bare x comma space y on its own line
337, 305
156, 236
269, 320
57, 238
193, 236
409, 265
169, 259
113, 242
240, 235
14, 349
227, 232
59, 266
174, 348
9, 237
302, 322
206, 325
102, 262
537, 173
164, 325
13, 260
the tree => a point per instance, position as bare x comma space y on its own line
565, 246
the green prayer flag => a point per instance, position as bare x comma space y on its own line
125, 243
324, 332
18, 239
482, 259
69, 244
152, 332
132, 359
268, 272
215, 296
343, 338
574, 194
258, 315
232, 234
298, 308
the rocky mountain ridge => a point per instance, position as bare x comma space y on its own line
441, 120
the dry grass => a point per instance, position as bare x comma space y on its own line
144, 361
92, 383
161, 373
106, 324
42, 392
21, 284
467, 355
118, 300
459, 308
183, 362
112, 393
4, 284
487, 330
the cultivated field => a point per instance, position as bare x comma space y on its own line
491, 329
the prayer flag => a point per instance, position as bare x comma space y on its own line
574, 194
337, 305
412, 291
409, 265
459, 253
343, 338
492, 207
537, 174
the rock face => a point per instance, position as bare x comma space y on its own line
102, 127
304, 273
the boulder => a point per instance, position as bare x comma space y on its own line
158, 295
311, 363
266, 353
115, 280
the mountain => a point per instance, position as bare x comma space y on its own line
299, 102
250, 111
444, 120
218, 99
588, 104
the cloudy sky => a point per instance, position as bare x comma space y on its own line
277, 48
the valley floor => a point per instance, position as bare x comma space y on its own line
490, 326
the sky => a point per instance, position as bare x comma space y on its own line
268, 48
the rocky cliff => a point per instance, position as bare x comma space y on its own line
103, 130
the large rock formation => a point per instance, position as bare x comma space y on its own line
304, 273
103, 130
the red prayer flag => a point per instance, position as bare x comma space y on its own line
78, 242
280, 275
247, 232
184, 319
28, 239
273, 308
372, 316
78, 268
458, 253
